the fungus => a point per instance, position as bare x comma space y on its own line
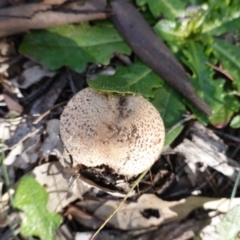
125, 133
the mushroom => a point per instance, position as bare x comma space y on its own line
125, 133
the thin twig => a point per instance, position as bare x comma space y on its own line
186, 119
120, 204
219, 69
47, 112
227, 136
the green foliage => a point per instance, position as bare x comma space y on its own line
222, 17
137, 79
74, 45
229, 56
228, 228
192, 41
235, 123
224, 114
172, 134
209, 89
202, 75
169, 8
191, 30
212, 18
32, 198
169, 104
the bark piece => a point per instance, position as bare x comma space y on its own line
209, 150
22, 18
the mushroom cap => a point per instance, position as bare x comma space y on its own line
123, 132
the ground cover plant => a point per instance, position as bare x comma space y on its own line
48, 66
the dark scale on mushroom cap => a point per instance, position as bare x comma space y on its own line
125, 133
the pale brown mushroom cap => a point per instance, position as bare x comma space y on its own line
125, 133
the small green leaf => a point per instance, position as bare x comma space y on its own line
171, 31
172, 135
224, 16
137, 79
223, 115
207, 88
229, 56
141, 2
229, 228
235, 123
169, 104
32, 198
169, 8
74, 45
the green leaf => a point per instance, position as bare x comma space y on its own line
137, 79
208, 89
74, 45
32, 198
224, 16
141, 2
235, 123
171, 31
173, 134
224, 114
169, 8
169, 104
213, 18
228, 228
229, 56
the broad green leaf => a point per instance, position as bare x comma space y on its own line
235, 123
171, 9
208, 89
141, 2
172, 135
171, 31
137, 79
224, 16
32, 198
180, 30
212, 18
74, 45
224, 114
169, 104
229, 228
229, 56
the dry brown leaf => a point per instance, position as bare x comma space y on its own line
7, 127
24, 130
54, 2
12, 103
84, 218
29, 152
209, 231
52, 142
11, 157
131, 215
50, 176
178, 230
47, 98
33, 75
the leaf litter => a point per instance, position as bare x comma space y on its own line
195, 179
